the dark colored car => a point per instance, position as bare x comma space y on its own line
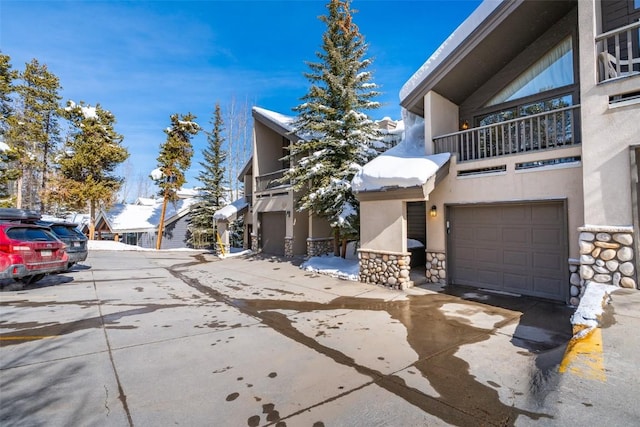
33, 246
74, 239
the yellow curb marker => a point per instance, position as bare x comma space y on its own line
584, 357
27, 338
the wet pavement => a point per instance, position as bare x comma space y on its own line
159, 338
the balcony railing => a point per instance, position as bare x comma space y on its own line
619, 52
270, 181
543, 131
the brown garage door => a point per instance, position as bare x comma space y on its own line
272, 230
520, 248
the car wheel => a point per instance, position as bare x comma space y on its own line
27, 280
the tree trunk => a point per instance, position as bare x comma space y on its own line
336, 242
161, 224
92, 220
344, 248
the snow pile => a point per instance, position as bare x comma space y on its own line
347, 269
402, 166
591, 307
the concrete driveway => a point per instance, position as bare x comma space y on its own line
182, 338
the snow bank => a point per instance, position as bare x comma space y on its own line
110, 245
591, 307
347, 269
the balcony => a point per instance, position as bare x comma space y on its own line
619, 52
537, 132
271, 181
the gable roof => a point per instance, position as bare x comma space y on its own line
276, 121
130, 218
482, 45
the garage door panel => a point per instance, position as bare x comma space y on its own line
546, 261
546, 286
465, 233
488, 255
488, 276
516, 214
515, 259
516, 235
516, 282
512, 247
273, 229
546, 214
487, 234
547, 237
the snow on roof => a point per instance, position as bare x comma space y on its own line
402, 166
127, 217
145, 201
277, 118
456, 38
230, 211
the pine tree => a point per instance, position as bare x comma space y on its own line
34, 131
7, 76
174, 160
212, 195
8, 155
337, 134
92, 153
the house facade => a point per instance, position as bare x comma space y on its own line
272, 223
277, 228
528, 121
137, 223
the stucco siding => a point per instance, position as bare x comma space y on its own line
385, 225
527, 185
607, 133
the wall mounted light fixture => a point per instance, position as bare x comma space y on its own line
464, 125
433, 212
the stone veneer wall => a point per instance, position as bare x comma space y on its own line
319, 246
436, 267
288, 247
389, 269
606, 256
254, 243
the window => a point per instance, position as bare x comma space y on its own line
553, 70
636, 4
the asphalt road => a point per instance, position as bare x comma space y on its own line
182, 338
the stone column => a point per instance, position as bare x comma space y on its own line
389, 269
436, 267
319, 246
288, 247
606, 256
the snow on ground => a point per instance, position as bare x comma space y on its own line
110, 245
347, 269
591, 306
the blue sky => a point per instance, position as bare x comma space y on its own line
146, 60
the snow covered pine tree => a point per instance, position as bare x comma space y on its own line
337, 133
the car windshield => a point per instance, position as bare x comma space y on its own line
30, 234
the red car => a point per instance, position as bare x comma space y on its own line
29, 252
